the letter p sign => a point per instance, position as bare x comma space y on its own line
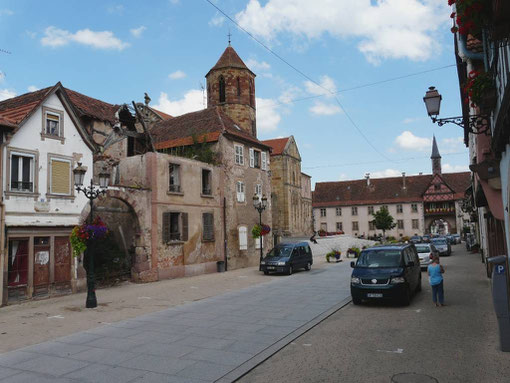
500, 269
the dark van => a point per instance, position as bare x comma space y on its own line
387, 272
287, 257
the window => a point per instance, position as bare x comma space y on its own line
222, 88
258, 190
240, 191
400, 209
384, 207
239, 157
416, 224
238, 87
243, 238
323, 212
339, 226
355, 226
255, 156
264, 160
206, 182
400, 224
257, 242
354, 211
371, 225
52, 123
338, 211
22, 172
174, 171
208, 227
414, 208
370, 210
60, 176
175, 227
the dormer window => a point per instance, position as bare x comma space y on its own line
222, 88
53, 123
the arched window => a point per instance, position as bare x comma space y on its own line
222, 89
238, 87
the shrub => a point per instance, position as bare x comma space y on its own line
334, 254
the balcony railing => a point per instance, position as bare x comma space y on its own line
440, 210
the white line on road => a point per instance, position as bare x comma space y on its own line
397, 351
56, 317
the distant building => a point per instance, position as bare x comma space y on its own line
419, 204
291, 190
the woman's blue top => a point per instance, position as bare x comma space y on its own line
435, 276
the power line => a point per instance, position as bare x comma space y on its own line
304, 75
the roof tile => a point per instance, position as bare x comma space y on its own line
277, 145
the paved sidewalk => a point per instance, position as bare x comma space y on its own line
203, 341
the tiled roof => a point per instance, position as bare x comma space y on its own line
383, 190
229, 59
17, 108
5, 122
92, 107
208, 123
277, 145
161, 114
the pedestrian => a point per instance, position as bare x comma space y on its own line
312, 238
435, 271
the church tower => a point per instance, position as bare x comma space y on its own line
436, 158
231, 86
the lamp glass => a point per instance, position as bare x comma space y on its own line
264, 201
432, 101
104, 177
256, 201
79, 175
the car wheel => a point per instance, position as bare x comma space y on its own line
356, 301
308, 266
289, 270
266, 272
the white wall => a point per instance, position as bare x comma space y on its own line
24, 211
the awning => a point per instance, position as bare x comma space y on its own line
492, 196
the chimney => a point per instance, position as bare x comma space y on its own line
367, 176
403, 180
420, 174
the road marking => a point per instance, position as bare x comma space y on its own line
56, 317
418, 311
144, 298
307, 344
193, 287
397, 351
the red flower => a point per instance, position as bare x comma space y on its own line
452, 16
451, 2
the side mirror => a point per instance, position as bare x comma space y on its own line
353, 264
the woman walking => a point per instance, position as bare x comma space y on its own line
435, 271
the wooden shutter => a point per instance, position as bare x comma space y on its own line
264, 161
252, 158
166, 227
184, 235
60, 177
208, 226
243, 238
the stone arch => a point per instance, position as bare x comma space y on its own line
442, 225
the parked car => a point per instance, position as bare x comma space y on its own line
426, 238
287, 257
425, 251
450, 239
387, 272
415, 239
442, 246
457, 238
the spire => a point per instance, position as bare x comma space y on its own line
435, 150
229, 59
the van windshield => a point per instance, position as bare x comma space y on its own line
379, 258
280, 251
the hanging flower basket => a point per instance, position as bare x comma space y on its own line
471, 16
258, 230
81, 235
480, 89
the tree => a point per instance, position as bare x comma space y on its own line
383, 220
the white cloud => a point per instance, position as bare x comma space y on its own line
255, 65
6, 93
342, 177
191, 102
217, 21
2, 76
268, 116
32, 88
289, 94
6, 12
322, 109
55, 37
117, 9
447, 168
408, 141
325, 82
137, 32
452, 145
178, 74
386, 173
410, 120
385, 29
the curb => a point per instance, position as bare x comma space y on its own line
262, 356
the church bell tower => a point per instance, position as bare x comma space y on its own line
436, 158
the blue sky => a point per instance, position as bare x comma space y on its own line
117, 50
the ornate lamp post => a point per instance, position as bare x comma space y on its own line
260, 205
476, 124
91, 192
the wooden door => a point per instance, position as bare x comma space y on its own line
62, 261
41, 265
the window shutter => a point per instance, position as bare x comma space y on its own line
60, 177
264, 163
166, 228
184, 226
252, 158
241, 151
243, 238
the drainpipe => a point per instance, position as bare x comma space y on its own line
225, 232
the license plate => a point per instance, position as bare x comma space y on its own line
270, 267
374, 295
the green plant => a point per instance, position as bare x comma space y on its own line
383, 220
333, 254
354, 251
405, 238
256, 231
477, 87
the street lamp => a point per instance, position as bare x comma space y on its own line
476, 124
91, 192
260, 205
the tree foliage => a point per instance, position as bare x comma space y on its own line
383, 219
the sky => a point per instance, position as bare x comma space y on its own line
326, 69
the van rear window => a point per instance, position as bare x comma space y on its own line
379, 258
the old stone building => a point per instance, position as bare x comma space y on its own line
291, 190
419, 204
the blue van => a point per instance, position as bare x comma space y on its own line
287, 257
386, 272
